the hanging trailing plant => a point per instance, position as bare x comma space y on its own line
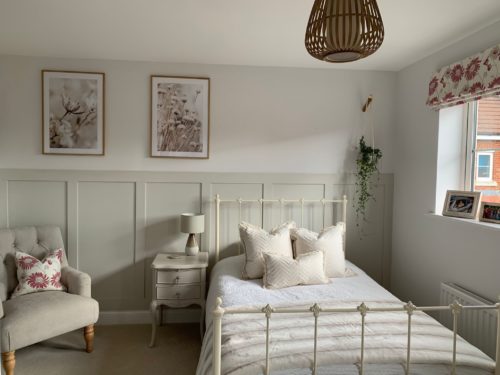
367, 166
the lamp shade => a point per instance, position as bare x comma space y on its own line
192, 223
344, 30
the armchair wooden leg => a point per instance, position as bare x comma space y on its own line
88, 333
9, 362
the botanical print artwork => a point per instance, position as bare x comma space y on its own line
179, 125
180, 117
73, 113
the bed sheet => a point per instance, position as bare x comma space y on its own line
243, 336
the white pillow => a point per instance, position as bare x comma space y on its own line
282, 272
256, 241
330, 241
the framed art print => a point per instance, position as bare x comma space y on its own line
490, 212
73, 113
180, 116
463, 204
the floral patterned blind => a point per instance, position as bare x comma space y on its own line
467, 80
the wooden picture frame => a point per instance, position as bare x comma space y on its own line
490, 212
180, 117
73, 113
462, 204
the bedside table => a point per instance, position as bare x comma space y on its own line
178, 281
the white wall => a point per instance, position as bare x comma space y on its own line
429, 249
303, 123
262, 119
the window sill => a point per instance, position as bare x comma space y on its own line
486, 183
476, 222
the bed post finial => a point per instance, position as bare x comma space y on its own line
218, 304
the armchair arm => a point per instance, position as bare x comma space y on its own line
76, 281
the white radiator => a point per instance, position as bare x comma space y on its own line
476, 326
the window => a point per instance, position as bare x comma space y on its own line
484, 170
482, 148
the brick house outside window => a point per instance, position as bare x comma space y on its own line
487, 171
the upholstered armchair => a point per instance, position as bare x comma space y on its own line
35, 317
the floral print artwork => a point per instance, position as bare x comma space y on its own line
36, 275
73, 112
179, 125
180, 117
467, 80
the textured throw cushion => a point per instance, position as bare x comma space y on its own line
257, 241
329, 241
282, 272
38, 275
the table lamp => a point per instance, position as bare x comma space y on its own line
192, 224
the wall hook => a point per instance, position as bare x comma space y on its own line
367, 103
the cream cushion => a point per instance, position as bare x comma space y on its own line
36, 275
257, 241
281, 272
329, 241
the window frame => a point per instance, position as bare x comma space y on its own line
469, 143
471, 153
491, 156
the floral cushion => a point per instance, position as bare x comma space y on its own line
38, 275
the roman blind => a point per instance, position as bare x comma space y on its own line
467, 80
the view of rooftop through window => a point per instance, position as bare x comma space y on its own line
486, 170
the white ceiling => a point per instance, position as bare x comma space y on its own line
237, 32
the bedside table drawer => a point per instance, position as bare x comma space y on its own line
178, 276
178, 292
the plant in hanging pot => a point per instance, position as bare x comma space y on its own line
367, 166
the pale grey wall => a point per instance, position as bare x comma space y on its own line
281, 120
114, 223
262, 119
429, 249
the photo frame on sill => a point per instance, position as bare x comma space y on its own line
180, 117
464, 204
490, 212
72, 113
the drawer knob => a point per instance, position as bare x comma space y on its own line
178, 295
177, 280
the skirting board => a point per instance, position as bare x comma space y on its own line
144, 317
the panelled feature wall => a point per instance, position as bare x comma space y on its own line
114, 223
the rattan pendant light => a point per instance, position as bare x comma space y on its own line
344, 30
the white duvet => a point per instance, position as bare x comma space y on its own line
243, 335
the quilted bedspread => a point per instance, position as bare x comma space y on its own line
339, 334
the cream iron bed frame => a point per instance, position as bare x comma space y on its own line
316, 310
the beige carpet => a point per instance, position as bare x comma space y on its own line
117, 350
